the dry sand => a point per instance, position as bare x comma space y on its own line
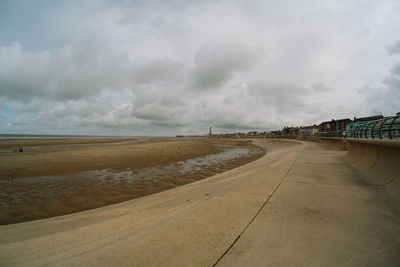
54, 182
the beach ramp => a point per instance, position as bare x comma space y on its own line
302, 204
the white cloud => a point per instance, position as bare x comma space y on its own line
156, 68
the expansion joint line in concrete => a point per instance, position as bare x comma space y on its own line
259, 210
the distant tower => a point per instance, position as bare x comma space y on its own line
210, 131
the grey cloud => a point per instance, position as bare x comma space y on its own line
232, 110
385, 99
77, 71
68, 74
320, 88
215, 65
151, 103
71, 83
275, 89
154, 112
22, 75
395, 71
161, 70
284, 97
258, 118
392, 84
237, 125
394, 49
147, 67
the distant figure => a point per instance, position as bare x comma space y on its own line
21, 149
11, 179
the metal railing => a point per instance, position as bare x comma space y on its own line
388, 127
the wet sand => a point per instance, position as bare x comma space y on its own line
14, 142
8, 145
55, 182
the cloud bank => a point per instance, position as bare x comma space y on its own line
152, 68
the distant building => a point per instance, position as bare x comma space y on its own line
309, 130
325, 127
262, 133
291, 131
288, 131
370, 118
333, 127
253, 133
341, 124
277, 133
360, 121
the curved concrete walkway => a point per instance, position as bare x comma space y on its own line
326, 213
300, 205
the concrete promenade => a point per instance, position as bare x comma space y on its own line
302, 204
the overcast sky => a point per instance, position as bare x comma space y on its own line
175, 67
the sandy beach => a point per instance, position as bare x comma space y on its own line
57, 181
302, 203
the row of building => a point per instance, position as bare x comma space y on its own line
332, 128
248, 134
339, 128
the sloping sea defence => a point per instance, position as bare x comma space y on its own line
301, 204
54, 177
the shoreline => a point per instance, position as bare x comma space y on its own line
62, 140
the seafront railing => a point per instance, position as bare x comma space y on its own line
388, 127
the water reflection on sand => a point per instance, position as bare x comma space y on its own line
127, 184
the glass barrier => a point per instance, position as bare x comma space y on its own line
384, 128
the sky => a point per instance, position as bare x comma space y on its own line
161, 68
